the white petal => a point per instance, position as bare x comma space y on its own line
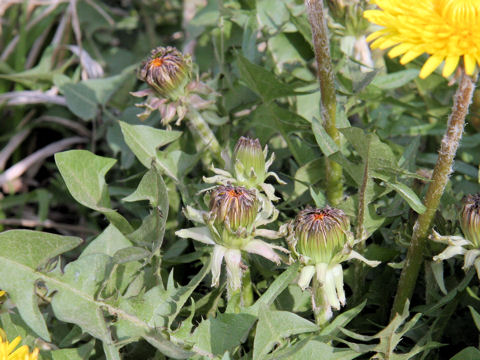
449, 240
355, 255
264, 249
449, 252
477, 267
201, 234
470, 257
194, 214
269, 234
337, 272
270, 191
233, 259
217, 258
217, 179
331, 291
280, 181
306, 275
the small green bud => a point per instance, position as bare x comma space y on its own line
234, 206
249, 161
321, 233
470, 219
167, 71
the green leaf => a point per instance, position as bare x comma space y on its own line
151, 232
274, 326
145, 140
80, 353
151, 188
129, 254
475, 316
313, 349
409, 196
262, 81
469, 353
108, 242
84, 175
341, 320
22, 252
275, 289
223, 333
81, 100
104, 88
395, 80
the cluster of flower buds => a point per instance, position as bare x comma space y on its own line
249, 167
231, 227
239, 205
172, 92
469, 245
321, 240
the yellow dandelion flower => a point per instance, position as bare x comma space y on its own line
8, 352
2, 293
447, 30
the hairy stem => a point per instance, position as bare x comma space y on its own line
328, 105
441, 173
201, 130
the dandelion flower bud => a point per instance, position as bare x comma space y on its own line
470, 219
167, 71
249, 160
321, 233
235, 206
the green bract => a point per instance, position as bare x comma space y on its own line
470, 219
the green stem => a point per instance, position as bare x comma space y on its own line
247, 290
328, 102
440, 176
200, 129
318, 303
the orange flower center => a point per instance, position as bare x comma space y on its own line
234, 193
318, 217
157, 62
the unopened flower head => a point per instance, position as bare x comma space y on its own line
167, 71
8, 352
233, 206
470, 219
249, 160
321, 233
447, 30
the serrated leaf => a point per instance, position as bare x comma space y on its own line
341, 320
22, 252
104, 88
84, 174
274, 326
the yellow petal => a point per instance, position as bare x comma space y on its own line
399, 50
14, 344
451, 63
409, 56
469, 62
430, 65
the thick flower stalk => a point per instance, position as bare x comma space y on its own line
8, 352
446, 30
321, 240
248, 167
172, 92
469, 246
328, 101
231, 227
